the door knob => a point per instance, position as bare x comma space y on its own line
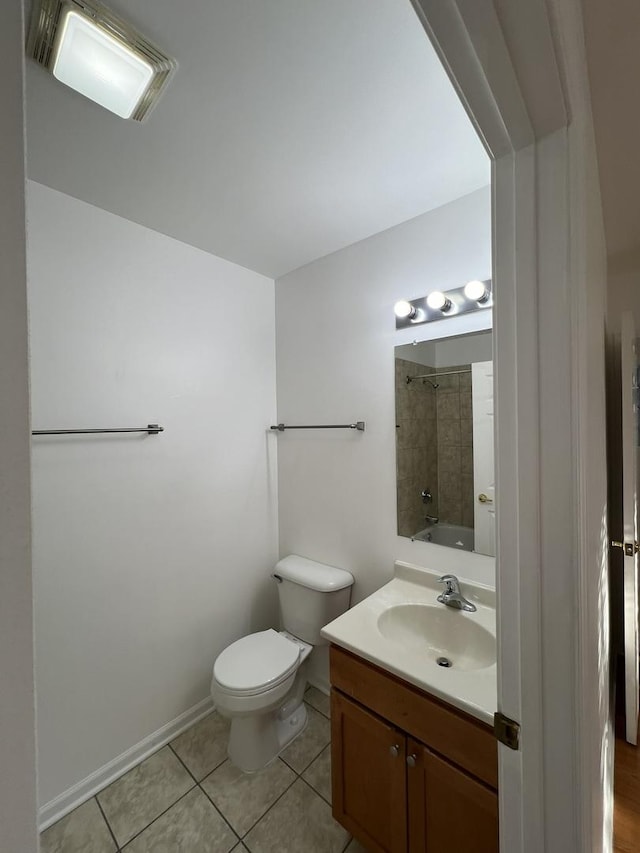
412, 760
484, 499
395, 750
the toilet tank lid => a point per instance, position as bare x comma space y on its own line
313, 575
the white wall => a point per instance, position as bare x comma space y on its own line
151, 553
478, 347
17, 729
422, 352
335, 354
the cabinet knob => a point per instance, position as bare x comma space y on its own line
412, 760
395, 750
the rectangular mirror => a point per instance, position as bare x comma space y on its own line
444, 442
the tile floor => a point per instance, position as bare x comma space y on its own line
188, 798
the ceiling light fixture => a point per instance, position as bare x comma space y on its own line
91, 50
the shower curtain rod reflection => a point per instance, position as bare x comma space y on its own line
437, 375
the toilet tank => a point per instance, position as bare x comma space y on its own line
311, 595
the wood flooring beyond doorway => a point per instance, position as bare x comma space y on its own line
626, 822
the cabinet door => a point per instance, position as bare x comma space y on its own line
368, 774
448, 810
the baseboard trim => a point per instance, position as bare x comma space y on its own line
108, 773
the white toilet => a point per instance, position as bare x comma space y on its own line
259, 680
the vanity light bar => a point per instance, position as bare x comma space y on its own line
438, 305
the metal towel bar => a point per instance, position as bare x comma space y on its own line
359, 425
150, 429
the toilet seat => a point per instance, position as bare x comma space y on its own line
256, 663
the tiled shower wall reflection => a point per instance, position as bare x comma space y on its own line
416, 447
455, 447
434, 432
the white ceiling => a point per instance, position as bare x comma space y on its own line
292, 129
612, 31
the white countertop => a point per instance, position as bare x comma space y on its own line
470, 690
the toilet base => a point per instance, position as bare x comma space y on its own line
256, 740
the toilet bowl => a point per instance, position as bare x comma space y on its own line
259, 680
259, 683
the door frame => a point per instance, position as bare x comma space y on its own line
629, 571
484, 467
18, 827
520, 70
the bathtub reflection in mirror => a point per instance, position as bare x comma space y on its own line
444, 442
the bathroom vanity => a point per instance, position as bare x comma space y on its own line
414, 756
409, 773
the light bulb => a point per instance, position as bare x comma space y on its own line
404, 310
476, 291
437, 301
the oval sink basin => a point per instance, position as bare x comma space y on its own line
444, 635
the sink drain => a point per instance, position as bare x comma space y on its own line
444, 662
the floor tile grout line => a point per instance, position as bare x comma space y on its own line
298, 777
315, 790
307, 766
311, 705
217, 767
111, 832
233, 832
322, 713
221, 813
262, 816
193, 776
183, 763
157, 817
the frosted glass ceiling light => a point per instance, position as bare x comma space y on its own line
88, 48
437, 301
95, 64
476, 291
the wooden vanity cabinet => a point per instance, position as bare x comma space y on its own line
370, 785
448, 809
400, 766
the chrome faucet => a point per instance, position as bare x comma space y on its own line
452, 596
431, 519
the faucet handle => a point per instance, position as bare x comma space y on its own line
452, 596
452, 583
